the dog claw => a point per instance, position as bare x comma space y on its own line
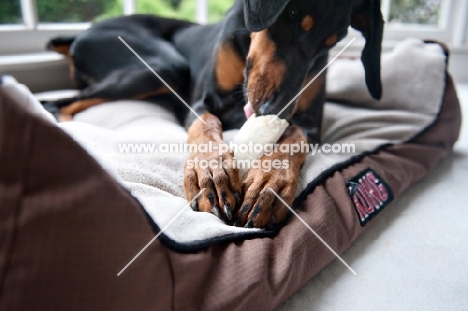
238, 197
244, 210
228, 212
194, 206
257, 210
249, 224
215, 211
210, 197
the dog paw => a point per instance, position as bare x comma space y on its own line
275, 178
217, 174
261, 207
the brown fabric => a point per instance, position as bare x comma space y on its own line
67, 228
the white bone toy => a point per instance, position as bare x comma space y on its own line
257, 130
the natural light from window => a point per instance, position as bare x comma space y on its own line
425, 12
33, 22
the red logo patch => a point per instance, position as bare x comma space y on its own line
370, 194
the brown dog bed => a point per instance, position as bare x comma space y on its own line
68, 227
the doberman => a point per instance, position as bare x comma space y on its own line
253, 61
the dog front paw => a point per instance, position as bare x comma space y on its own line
216, 173
261, 208
270, 188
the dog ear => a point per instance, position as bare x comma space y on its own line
261, 14
367, 18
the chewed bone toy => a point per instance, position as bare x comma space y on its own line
257, 130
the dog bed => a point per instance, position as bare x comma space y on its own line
69, 226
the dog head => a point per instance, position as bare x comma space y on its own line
289, 35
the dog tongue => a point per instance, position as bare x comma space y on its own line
248, 110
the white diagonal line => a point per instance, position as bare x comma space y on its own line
162, 80
160, 232
315, 233
312, 81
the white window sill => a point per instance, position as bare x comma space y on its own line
30, 59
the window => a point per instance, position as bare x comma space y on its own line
27, 24
428, 19
422, 12
71, 11
11, 13
79, 11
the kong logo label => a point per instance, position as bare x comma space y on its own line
370, 194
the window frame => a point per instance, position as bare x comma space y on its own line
452, 27
442, 31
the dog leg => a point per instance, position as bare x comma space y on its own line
212, 168
260, 207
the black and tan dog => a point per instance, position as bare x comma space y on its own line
254, 61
